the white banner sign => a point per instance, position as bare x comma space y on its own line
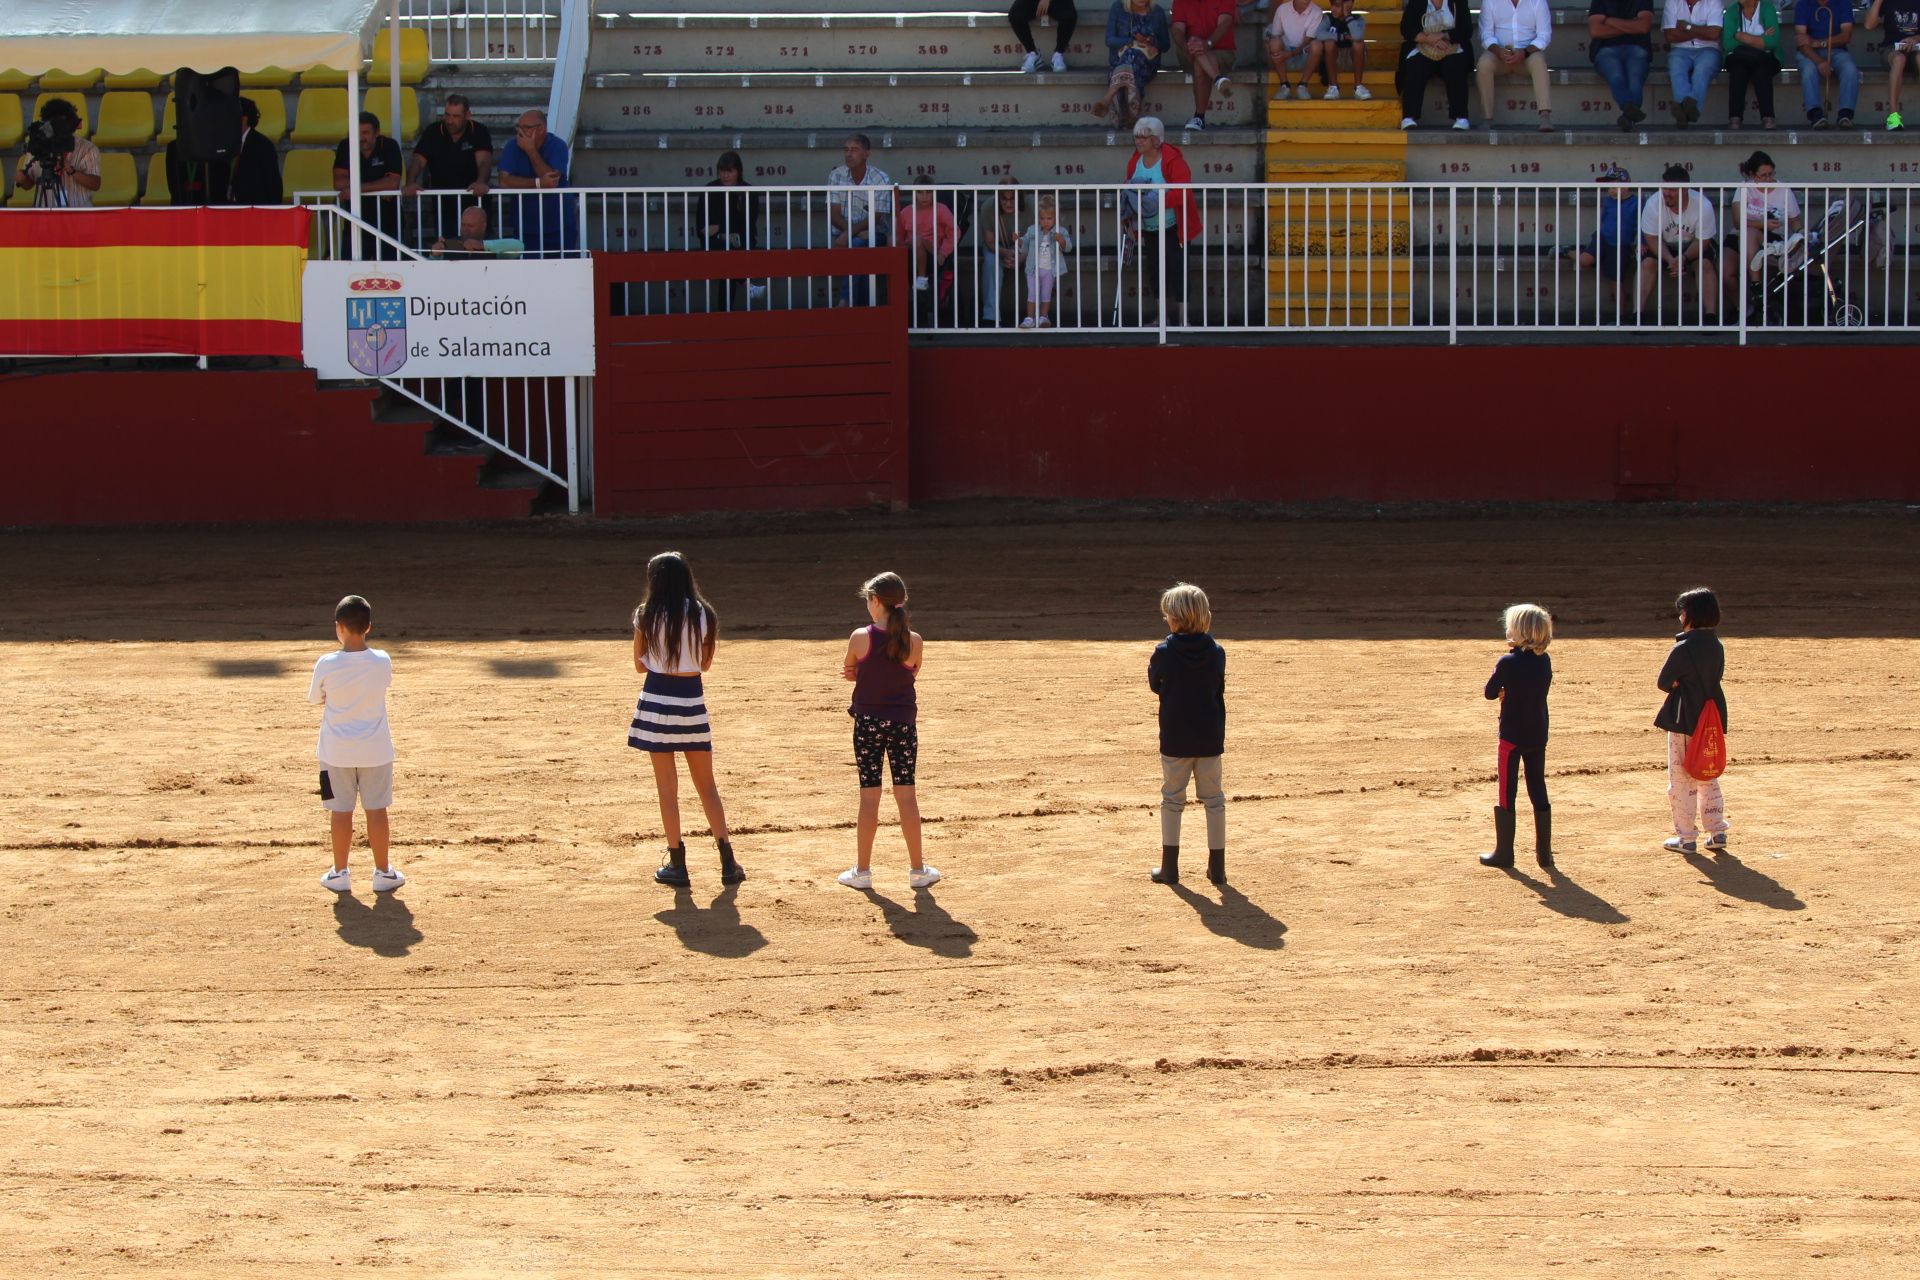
528, 318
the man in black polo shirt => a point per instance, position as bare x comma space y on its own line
379, 171
455, 153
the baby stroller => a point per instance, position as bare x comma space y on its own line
1809, 277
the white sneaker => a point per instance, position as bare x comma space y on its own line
1408, 122
1197, 125
1030, 63
1059, 62
1332, 94
1221, 83
1462, 124
340, 881
387, 881
1363, 93
920, 283
1675, 844
925, 878
1284, 92
855, 878
1028, 323
1045, 323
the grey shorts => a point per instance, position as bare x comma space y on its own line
1356, 28
371, 786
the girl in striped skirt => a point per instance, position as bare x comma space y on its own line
674, 630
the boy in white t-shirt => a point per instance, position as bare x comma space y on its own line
356, 743
1295, 43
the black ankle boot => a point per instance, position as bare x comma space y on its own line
1169, 872
731, 872
1217, 865
674, 870
1543, 836
1502, 855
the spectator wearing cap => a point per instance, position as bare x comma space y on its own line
1164, 219
1435, 39
1692, 31
380, 170
1678, 241
1620, 42
1615, 246
454, 153
1204, 44
1822, 30
78, 170
1514, 35
1750, 39
1901, 18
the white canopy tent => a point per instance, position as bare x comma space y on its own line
122, 36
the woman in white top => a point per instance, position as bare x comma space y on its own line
1692, 29
674, 631
1769, 213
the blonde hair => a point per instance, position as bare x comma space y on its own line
1046, 204
1185, 608
1529, 627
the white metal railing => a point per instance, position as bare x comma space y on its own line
1458, 259
471, 31
538, 422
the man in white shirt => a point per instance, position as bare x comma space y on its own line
860, 219
77, 167
1692, 30
1677, 231
1514, 35
1294, 44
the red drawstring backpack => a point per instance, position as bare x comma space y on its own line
1706, 754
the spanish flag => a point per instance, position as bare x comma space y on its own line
195, 282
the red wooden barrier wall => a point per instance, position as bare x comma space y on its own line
750, 409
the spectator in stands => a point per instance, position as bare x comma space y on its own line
1043, 251
1620, 42
1025, 13
538, 161
860, 219
1436, 37
1137, 34
472, 242
1203, 43
254, 176
380, 169
78, 170
1769, 214
1750, 39
926, 228
999, 242
1822, 30
1692, 30
1677, 231
1294, 43
1344, 32
454, 153
729, 217
1148, 218
1617, 244
1515, 35
1901, 50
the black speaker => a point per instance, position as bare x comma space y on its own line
207, 113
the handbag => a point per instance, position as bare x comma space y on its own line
1706, 755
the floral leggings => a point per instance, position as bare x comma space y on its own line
898, 742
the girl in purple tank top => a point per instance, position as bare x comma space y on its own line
882, 661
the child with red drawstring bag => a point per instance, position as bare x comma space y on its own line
1695, 718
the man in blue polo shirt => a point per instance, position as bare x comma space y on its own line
537, 161
1822, 30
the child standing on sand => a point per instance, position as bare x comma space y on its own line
883, 661
1690, 677
1189, 672
356, 743
1520, 681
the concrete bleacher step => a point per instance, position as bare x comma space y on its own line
1341, 172
1712, 155
1344, 113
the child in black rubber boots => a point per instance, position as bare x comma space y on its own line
1189, 672
1520, 681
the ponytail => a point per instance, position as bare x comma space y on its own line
890, 590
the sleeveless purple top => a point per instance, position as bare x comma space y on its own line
882, 687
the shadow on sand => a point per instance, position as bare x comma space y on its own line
926, 925
1235, 916
717, 931
386, 928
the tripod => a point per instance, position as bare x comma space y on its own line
49, 191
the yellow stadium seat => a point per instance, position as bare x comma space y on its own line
157, 192
14, 81
79, 101
119, 184
126, 119
266, 78
13, 124
376, 101
21, 198
71, 80
273, 113
413, 57
306, 172
165, 135
328, 78
321, 116
141, 79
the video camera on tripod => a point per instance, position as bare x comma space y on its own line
49, 142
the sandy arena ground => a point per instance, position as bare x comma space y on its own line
1367, 1056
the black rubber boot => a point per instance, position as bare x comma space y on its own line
1169, 872
674, 870
1543, 836
1217, 865
731, 872
1502, 855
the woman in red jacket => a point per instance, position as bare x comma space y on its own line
1151, 218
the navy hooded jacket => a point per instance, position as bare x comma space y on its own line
1189, 672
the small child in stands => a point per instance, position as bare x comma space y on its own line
1043, 249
